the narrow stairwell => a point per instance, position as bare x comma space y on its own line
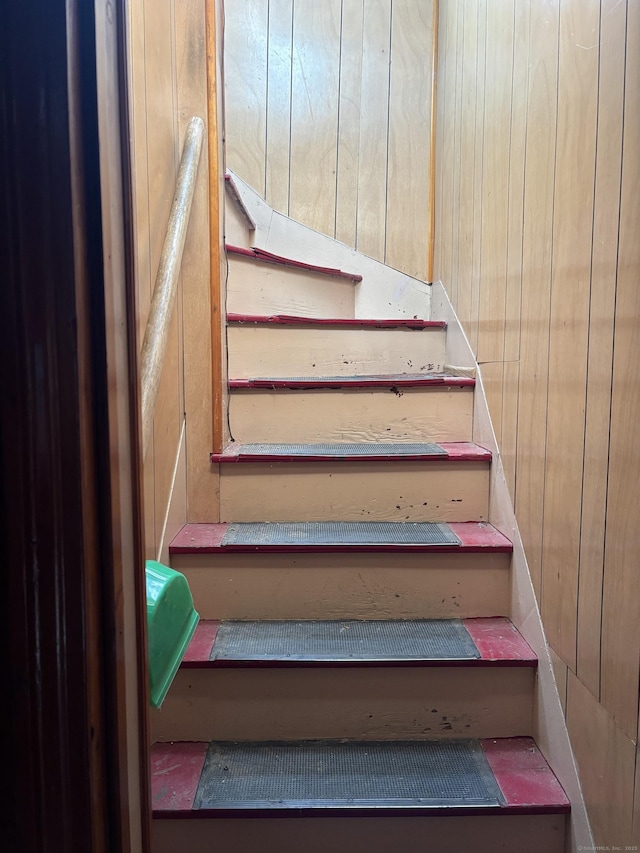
355, 683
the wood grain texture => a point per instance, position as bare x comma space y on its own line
314, 113
325, 143
374, 128
245, 69
278, 111
621, 600
604, 257
495, 180
409, 136
536, 281
567, 400
348, 165
606, 761
569, 319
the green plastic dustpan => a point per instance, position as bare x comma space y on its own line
171, 622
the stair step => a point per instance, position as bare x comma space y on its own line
460, 451
339, 322
391, 382
447, 482
474, 538
300, 680
350, 580
492, 641
352, 408
282, 345
281, 779
269, 258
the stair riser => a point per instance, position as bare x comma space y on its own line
347, 586
354, 491
479, 834
235, 225
391, 703
260, 288
407, 415
308, 351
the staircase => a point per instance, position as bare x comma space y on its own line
355, 683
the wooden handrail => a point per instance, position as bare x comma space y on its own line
164, 293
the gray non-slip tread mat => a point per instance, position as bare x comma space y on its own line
345, 533
340, 450
415, 639
320, 774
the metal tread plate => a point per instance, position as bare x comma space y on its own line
351, 774
333, 640
343, 533
340, 450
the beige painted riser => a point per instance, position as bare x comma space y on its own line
364, 703
472, 834
354, 491
261, 288
347, 586
236, 231
308, 351
406, 415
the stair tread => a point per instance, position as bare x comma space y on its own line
496, 776
458, 451
492, 641
415, 324
474, 537
391, 381
269, 258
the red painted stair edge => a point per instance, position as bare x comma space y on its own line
390, 382
270, 258
455, 451
475, 537
526, 781
495, 637
364, 323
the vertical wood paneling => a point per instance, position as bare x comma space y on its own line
518, 135
168, 86
621, 605
440, 265
536, 280
606, 219
328, 114
245, 68
467, 87
448, 28
606, 760
409, 136
191, 58
314, 113
478, 131
495, 180
571, 274
278, 128
561, 321
374, 129
349, 122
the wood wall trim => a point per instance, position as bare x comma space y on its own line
432, 153
217, 308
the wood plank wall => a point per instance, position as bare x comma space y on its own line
167, 62
538, 243
328, 117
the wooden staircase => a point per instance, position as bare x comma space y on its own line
355, 683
